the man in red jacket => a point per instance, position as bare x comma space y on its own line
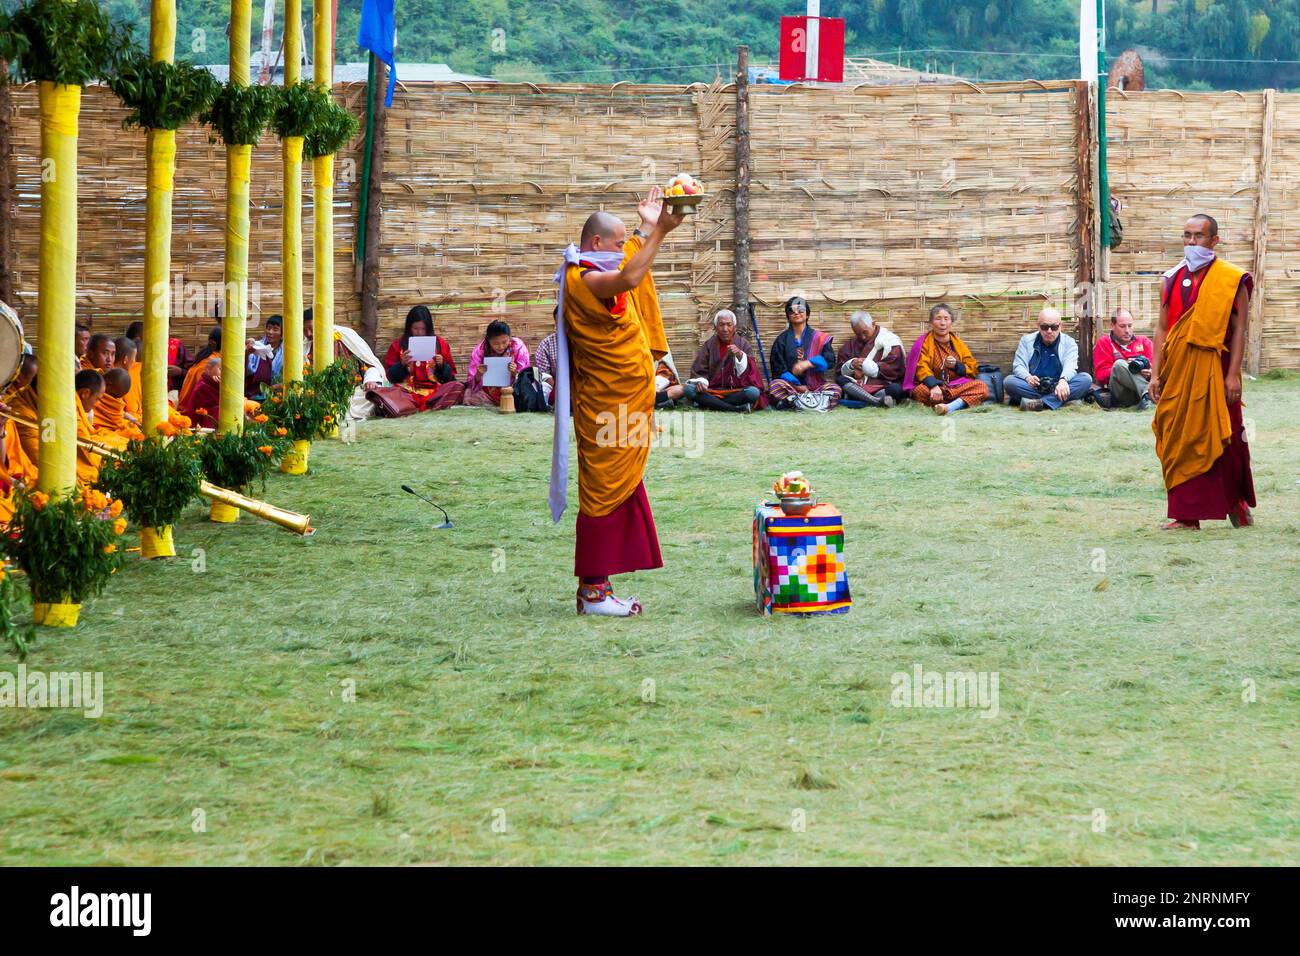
1111, 360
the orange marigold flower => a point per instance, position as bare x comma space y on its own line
200, 411
329, 419
265, 449
39, 499
110, 548
166, 428
260, 419
115, 508
281, 432
276, 399
119, 526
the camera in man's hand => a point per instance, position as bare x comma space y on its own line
1139, 365
1047, 384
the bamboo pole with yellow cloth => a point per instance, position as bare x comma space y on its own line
291, 205
322, 169
238, 163
160, 157
57, 289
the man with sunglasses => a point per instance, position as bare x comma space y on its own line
1045, 373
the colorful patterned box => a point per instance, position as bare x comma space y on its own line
799, 562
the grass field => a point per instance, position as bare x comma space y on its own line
491, 725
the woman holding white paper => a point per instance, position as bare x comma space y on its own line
497, 343
432, 383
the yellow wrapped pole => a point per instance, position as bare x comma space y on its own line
291, 257
323, 262
291, 207
160, 151
323, 199
238, 163
233, 361
56, 315
160, 158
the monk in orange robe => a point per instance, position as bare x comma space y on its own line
1196, 384
133, 400
100, 353
90, 388
200, 361
110, 422
20, 397
610, 334
203, 403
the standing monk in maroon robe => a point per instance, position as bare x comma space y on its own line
1196, 383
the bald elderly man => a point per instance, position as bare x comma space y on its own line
609, 336
1045, 373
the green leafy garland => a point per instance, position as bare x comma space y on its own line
67, 551
239, 114
236, 460
163, 95
334, 128
300, 109
67, 42
310, 408
154, 479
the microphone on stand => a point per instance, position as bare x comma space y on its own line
446, 520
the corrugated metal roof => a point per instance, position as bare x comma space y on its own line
356, 72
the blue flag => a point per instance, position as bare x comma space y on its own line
377, 35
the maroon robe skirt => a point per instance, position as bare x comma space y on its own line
1210, 496
623, 540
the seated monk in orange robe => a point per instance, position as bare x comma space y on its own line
203, 403
101, 352
609, 334
133, 402
195, 371
109, 420
20, 396
90, 389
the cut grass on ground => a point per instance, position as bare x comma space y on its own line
491, 725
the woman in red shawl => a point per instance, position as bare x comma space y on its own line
432, 384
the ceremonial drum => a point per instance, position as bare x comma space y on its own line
11, 344
799, 561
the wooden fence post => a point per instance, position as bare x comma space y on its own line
374, 189
1255, 323
740, 277
1086, 295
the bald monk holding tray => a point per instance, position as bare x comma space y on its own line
609, 336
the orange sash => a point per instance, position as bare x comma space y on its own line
1191, 423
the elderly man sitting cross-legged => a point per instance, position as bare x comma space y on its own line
1045, 372
872, 364
725, 375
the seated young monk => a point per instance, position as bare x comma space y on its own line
497, 343
431, 384
178, 356
872, 364
20, 397
101, 352
133, 401
940, 368
802, 363
109, 419
203, 404
725, 375
200, 362
90, 389
80, 343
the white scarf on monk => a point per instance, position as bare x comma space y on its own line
559, 495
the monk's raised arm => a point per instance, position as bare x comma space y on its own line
606, 285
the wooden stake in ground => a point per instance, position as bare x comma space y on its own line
238, 163
160, 159
1255, 323
740, 277
373, 187
291, 206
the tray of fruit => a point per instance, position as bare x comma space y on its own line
683, 193
795, 493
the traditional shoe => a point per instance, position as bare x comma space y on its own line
1241, 516
1145, 404
941, 409
888, 401
598, 599
1031, 405
1181, 526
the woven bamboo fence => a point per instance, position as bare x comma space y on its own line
884, 198
893, 199
110, 220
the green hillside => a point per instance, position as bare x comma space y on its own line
1193, 43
